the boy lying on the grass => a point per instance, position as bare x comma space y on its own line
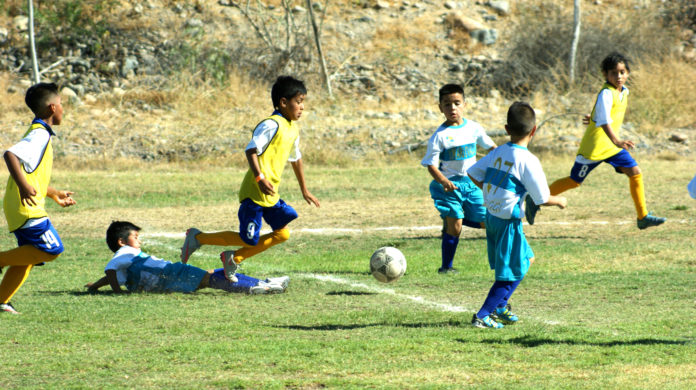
139, 271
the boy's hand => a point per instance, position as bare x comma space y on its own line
586, 119
311, 199
63, 198
266, 187
624, 144
26, 194
562, 202
448, 186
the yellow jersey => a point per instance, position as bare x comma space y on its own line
595, 144
39, 177
272, 161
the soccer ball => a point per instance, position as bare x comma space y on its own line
387, 264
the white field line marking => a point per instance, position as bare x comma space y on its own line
328, 231
415, 299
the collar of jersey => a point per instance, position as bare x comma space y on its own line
44, 124
516, 146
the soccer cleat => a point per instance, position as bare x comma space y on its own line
485, 322
281, 280
504, 315
452, 271
191, 244
650, 220
230, 266
530, 209
266, 288
7, 308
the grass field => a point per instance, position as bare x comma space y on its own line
605, 306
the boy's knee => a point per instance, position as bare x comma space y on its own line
282, 235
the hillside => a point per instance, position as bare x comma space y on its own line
165, 80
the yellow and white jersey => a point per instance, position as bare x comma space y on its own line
35, 153
276, 141
609, 108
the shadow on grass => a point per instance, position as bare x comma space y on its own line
415, 325
350, 293
532, 342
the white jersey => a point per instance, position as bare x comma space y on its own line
452, 149
508, 173
602, 110
123, 258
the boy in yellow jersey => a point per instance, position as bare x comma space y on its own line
30, 163
602, 144
274, 142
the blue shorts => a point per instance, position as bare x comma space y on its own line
42, 236
178, 277
623, 159
466, 202
508, 249
250, 214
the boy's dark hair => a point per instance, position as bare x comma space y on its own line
613, 59
286, 87
521, 119
449, 89
119, 230
38, 95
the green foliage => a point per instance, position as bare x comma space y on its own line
211, 63
70, 21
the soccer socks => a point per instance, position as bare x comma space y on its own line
562, 185
638, 194
449, 248
220, 239
266, 241
24, 255
13, 280
243, 283
500, 292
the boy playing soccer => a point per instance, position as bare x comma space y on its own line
451, 151
138, 271
506, 175
275, 141
30, 162
602, 144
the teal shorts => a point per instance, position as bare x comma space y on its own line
466, 202
508, 250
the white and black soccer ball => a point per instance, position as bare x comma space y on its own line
387, 264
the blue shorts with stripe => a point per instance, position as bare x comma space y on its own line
250, 215
42, 236
466, 202
508, 249
583, 167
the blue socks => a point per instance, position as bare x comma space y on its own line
244, 283
449, 248
497, 297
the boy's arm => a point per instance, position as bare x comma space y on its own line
440, 178
113, 281
94, 286
555, 200
26, 191
623, 144
299, 174
63, 198
477, 183
253, 159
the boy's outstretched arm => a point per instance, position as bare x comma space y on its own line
94, 286
26, 190
113, 281
63, 198
476, 182
555, 200
623, 144
299, 174
253, 159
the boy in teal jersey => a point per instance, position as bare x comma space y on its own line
451, 151
602, 144
507, 175
30, 163
274, 142
138, 271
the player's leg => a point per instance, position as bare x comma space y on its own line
502, 312
244, 283
25, 255
449, 205
496, 294
11, 282
624, 163
450, 241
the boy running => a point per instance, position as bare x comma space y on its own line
275, 141
451, 151
602, 144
